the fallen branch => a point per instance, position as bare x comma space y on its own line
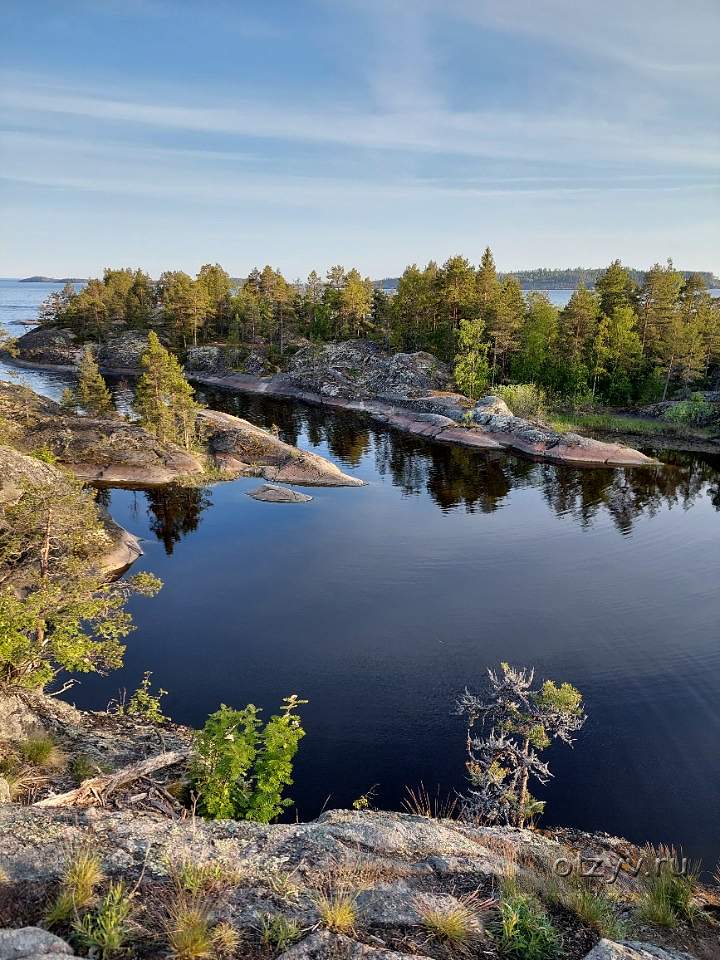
97, 790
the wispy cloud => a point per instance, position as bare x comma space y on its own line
229, 177
504, 134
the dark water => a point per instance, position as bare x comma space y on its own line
380, 604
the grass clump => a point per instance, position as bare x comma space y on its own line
455, 923
279, 932
669, 882
83, 874
188, 929
338, 911
104, 931
197, 878
40, 750
592, 907
523, 930
420, 803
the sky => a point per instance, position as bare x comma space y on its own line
171, 133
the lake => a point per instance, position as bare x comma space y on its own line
380, 604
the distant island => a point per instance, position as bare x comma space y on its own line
53, 280
565, 278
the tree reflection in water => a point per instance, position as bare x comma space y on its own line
175, 511
456, 477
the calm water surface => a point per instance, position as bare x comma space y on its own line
381, 604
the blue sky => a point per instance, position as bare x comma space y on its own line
378, 133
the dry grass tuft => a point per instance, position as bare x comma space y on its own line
420, 803
225, 940
455, 922
338, 911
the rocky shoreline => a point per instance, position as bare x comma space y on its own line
406, 392
115, 451
395, 867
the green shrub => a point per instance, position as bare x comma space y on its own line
145, 704
45, 454
696, 412
669, 882
241, 767
525, 400
524, 931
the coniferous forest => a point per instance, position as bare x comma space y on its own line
622, 341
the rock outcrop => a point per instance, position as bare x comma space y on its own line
240, 448
117, 451
407, 391
269, 493
49, 345
121, 351
393, 868
107, 450
361, 370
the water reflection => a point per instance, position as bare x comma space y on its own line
480, 482
174, 512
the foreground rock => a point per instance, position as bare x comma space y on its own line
394, 867
117, 451
633, 950
271, 494
18, 469
397, 867
31, 943
240, 448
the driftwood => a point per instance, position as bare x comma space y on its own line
97, 790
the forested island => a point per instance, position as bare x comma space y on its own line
623, 342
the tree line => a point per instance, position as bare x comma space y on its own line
623, 341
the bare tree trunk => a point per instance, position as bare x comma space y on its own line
523, 791
667, 378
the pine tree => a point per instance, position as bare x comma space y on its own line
164, 400
616, 288
516, 721
538, 338
472, 370
504, 320
92, 393
617, 355
356, 305
57, 612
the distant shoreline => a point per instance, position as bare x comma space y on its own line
52, 280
